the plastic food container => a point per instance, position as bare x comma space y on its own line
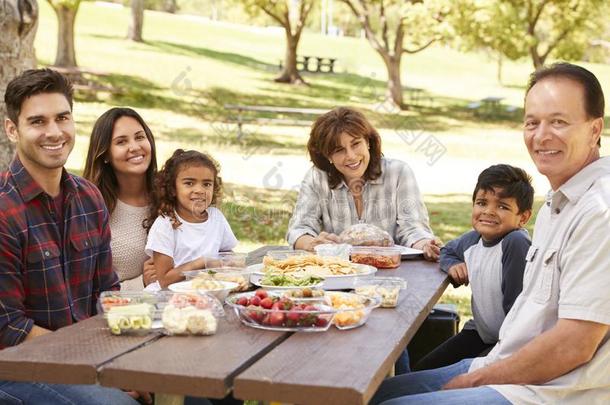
380, 257
128, 312
338, 250
226, 259
387, 289
241, 276
285, 254
352, 310
190, 313
219, 289
285, 314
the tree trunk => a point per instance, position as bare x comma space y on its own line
394, 89
66, 15
170, 6
537, 60
18, 23
290, 74
137, 21
499, 67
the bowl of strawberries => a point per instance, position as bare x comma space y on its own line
272, 310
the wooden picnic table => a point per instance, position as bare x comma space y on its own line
331, 367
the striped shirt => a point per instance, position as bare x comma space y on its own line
45, 279
392, 202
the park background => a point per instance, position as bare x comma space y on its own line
188, 65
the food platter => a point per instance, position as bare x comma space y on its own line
337, 282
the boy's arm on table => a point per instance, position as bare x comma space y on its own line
452, 256
514, 250
566, 346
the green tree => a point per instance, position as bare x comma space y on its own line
66, 16
536, 28
292, 16
397, 27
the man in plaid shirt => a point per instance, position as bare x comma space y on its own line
55, 255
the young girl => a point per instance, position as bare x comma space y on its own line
187, 227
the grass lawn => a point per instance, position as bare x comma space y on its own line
186, 70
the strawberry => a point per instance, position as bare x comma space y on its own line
260, 293
266, 303
277, 318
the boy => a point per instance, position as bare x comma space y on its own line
491, 258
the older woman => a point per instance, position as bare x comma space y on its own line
351, 182
121, 161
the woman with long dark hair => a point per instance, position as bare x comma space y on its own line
122, 162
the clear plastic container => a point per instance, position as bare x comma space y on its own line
285, 254
387, 289
128, 312
190, 313
286, 315
352, 310
337, 250
219, 289
226, 259
380, 257
241, 276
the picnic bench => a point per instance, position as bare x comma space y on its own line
417, 96
332, 367
281, 111
314, 64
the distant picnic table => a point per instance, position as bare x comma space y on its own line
276, 110
490, 105
332, 367
315, 64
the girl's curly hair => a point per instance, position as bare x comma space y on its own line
164, 201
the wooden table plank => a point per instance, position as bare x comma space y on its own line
192, 365
345, 367
70, 355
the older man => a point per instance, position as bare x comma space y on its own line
554, 344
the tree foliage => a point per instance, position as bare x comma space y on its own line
397, 27
536, 28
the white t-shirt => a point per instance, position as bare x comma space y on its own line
566, 276
190, 241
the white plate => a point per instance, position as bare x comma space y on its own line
341, 282
410, 253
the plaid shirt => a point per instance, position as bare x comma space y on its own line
45, 280
392, 202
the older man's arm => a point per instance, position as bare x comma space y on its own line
568, 345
